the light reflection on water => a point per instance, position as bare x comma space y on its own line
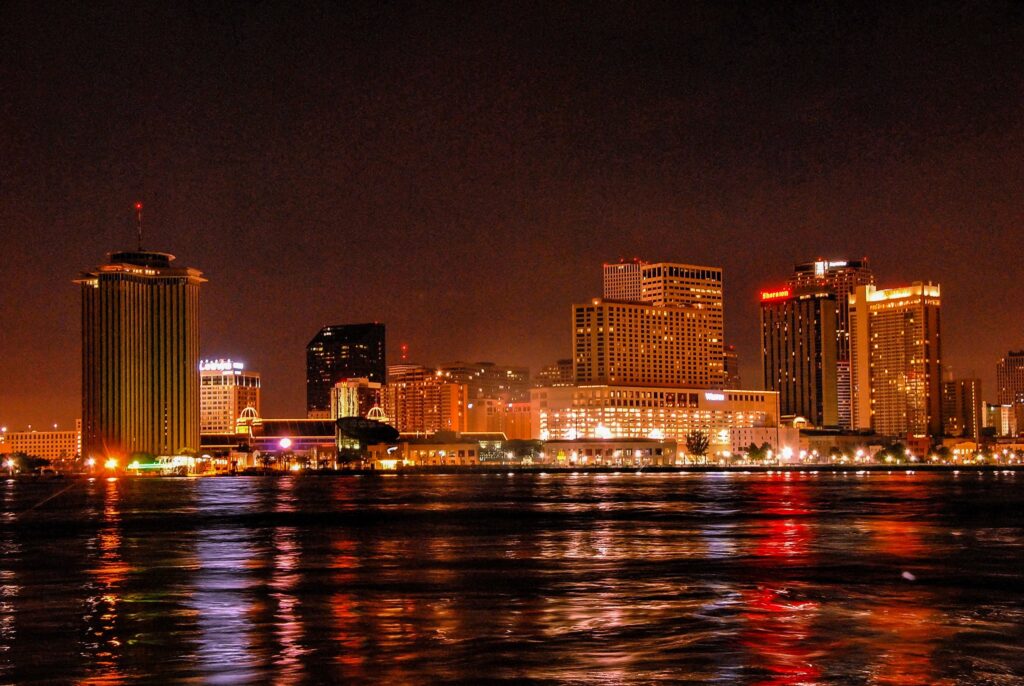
780, 579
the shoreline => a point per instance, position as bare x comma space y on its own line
512, 470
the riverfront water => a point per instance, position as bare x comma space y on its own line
589, 578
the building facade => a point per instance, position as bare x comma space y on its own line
425, 453
419, 401
731, 367
896, 360
1001, 418
1010, 383
612, 452
962, 412
608, 411
355, 398
344, 351
798, 353
226, 388
695, 287
629, 343
558, 374
53, 444
840, 277
622, 280
140, 356
489, 380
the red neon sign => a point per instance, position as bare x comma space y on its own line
777, 294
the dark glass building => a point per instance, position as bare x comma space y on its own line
343, 351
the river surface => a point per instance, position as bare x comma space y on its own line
588, 578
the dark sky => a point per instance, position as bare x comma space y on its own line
461, 174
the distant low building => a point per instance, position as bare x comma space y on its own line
637, 452
51, 444
605, 411
424, 452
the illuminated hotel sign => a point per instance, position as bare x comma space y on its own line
220, 366
714, 396
776, 294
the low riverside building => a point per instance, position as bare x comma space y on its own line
424, 452
603, 411
56, 445
777, 438
611, 452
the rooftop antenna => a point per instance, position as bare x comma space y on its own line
138, 223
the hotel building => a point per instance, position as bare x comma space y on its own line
896, 360
607, 411
798, 353
840, 277
344, 351
676, 285
636, 343
225, 389
140, 356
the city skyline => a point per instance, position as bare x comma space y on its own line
466, 196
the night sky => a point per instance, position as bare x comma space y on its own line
461, 174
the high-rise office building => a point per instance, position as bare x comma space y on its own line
420, 401
896, 359
1010, 378
622, 280
226, 388
140, 356
962, 413
798, 353
345, 351
629, 343
1010, 383
840, 277
731, 367
490, 380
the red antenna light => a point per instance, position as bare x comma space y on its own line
138, 222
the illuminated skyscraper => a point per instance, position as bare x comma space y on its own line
670, 284
896, 360
798, 353
345, 351
140, 356
840, 277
